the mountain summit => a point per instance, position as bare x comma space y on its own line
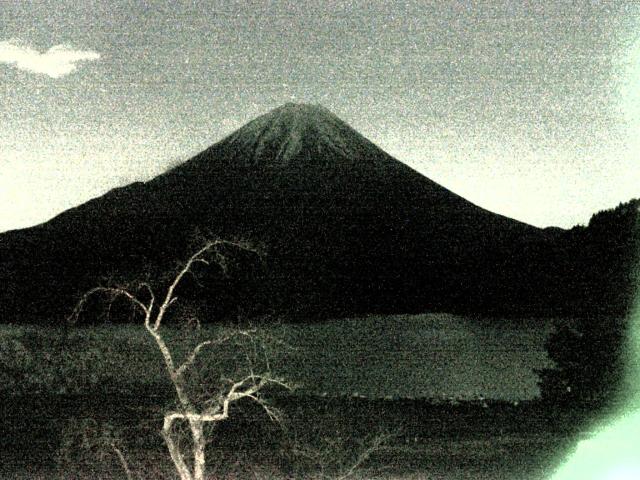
303, 147
346, 229
296, 135
292, 130
282, 134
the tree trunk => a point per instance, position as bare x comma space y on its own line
199, 445
174, 451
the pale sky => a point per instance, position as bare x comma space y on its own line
530, 111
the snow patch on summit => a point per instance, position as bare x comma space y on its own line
289, 130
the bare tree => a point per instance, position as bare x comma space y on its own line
331, 459
193, 411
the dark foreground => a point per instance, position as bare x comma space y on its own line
59, 436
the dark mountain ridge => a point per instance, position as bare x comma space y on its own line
345, 229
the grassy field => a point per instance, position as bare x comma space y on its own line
66, 395
430, 441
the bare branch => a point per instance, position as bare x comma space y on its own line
274, 414
151, 295
192, 358
375, 445
196, 257
122, 460
327, 460
170, 367
217, 409
194, 353
115, 292
169, 296
248, 387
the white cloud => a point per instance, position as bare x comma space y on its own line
58, 61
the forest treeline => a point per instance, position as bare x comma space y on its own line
590, 349
585, 271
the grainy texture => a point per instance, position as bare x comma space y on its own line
528, 109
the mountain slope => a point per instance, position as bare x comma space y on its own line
345, 227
